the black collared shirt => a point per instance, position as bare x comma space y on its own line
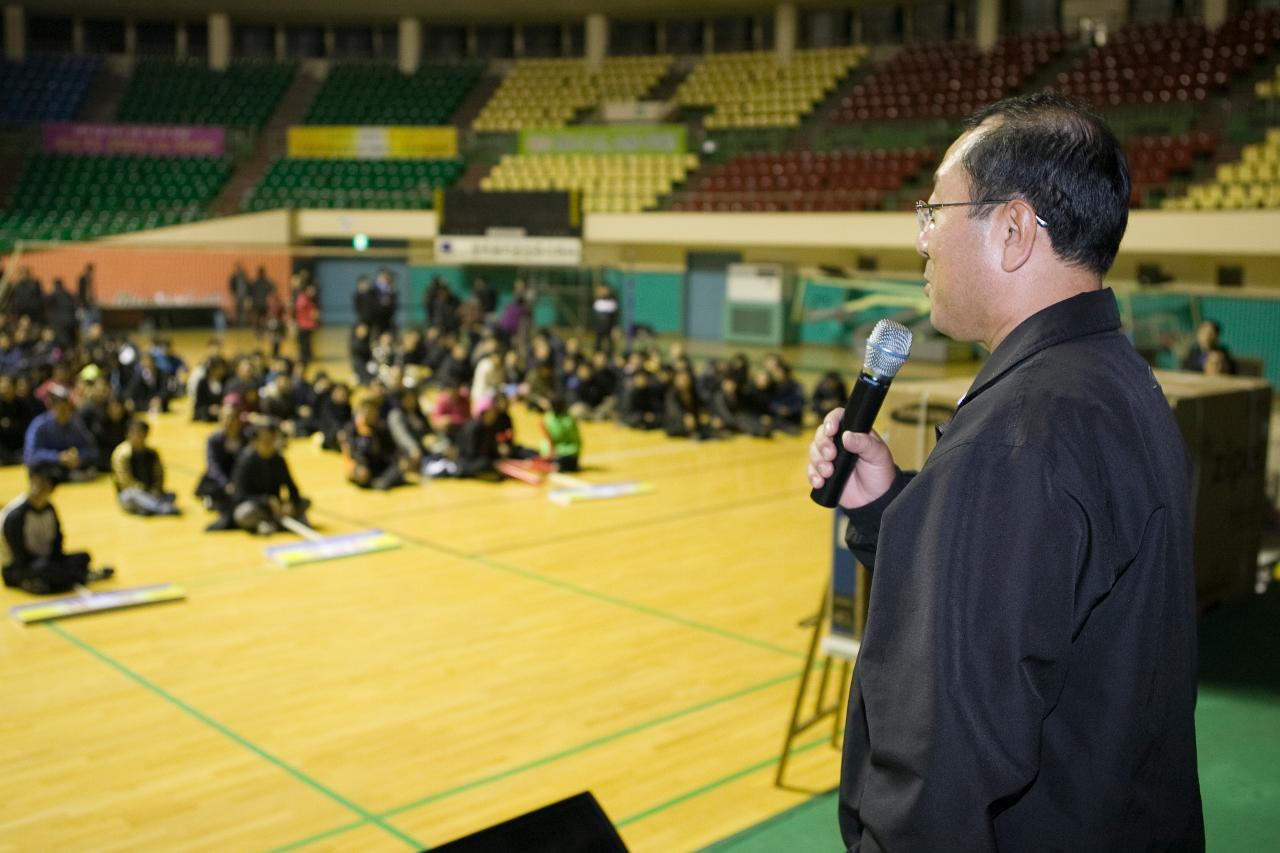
1027, 677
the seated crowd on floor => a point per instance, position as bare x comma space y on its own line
422, 403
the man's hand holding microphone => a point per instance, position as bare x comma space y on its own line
860, 468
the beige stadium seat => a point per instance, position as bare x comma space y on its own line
752, 90
550, 92
609, 182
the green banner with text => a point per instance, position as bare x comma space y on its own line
629, 139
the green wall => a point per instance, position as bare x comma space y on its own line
656, 298
1250, 327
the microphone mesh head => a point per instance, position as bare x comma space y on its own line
887, 349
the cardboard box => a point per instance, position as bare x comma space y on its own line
1224, 421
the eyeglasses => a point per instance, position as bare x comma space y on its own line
924, 210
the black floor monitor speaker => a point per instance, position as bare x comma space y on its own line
573, 825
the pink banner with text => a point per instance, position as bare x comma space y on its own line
138, 140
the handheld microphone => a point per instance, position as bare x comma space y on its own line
887, 350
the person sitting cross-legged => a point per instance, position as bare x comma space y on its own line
375, 462
139, 475
58, 439
31, 545
222, 448
260, 475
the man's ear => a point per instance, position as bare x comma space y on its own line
1017, 232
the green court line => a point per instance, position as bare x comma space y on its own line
141, 680
553, 757
637, 607
718, 783
587, 745
626, 604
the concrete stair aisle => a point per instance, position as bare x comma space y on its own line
272, 142
474, 174
17, 143
107, 90
824, 113
475, 100
665, 88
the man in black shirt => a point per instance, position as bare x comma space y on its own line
13, 422
241, 291
1027, 675
60, 308
259, 477
31, 546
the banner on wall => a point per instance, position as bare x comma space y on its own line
631, 139
373, 142
501, 250
139, 140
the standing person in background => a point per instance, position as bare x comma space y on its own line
261, 291
241, 294
441, 305
386, 302
87, 298
27, 297
362, 302
605, 308
487, 298
527, 298
1027, 674
306, 318
60, 309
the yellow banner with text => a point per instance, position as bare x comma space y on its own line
373, 142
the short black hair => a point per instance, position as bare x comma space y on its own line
1062, 159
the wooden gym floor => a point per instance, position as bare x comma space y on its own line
511, 653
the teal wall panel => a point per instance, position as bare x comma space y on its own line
653, 299
1250, 327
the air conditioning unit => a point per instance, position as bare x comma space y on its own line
755, 306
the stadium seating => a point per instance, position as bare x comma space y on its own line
610, 183
1156, 160
45, 88
1253, 181
394, 184
1171, 62
804, 181
550, 92
947, 79
168, 92
378, 94
751, 89
1269, 89
70, 198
